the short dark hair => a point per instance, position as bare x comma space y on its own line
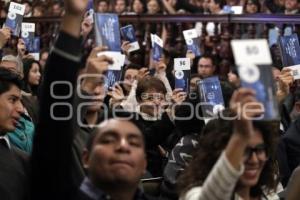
149, 83
7, 79
121, 116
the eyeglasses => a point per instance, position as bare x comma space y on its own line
259, 150
152, 96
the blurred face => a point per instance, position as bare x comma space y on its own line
27, 8
205, 4
34, 75
117, 155
56, 10
120, 6
98, 89
205, 67
280, 2
153, 7
37, 12
152, 102
291, 5
137, 6
3, 13
251, 7
255, 159
10, 109
233, 78
213, 7
102, 7
130, 76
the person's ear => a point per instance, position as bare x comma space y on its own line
85, 158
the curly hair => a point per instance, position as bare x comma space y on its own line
213, 140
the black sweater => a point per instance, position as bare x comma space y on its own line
52, 145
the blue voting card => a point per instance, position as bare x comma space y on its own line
157, 52
157, 47
90, 5
192, 41
257, 77
273, 36
211, 97
128, 34
112, 76
15, 17
182, 79
227, 9
107, 31
290, 50
193, 45
114, 72
182, 73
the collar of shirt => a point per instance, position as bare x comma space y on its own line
89, 189
5, 138
147, 117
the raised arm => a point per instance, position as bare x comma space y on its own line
51, 177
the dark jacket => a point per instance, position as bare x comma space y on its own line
52, 146
14, 174
156, 133
289, 150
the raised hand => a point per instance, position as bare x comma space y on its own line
117, 94
86, 26
285, 81
75, 7
97, 64
142, 73
74, 12
125, 47
5, 34
160, 66
178, 96
190, 55
21, 47
94, 72
245, 107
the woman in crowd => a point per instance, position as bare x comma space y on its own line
32, 76
154, 7
252, 7
138, 7
235, 158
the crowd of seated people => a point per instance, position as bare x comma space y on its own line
55, 8
65, 135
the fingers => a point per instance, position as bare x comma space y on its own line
104, 58
244, 104
125, 43
97, 50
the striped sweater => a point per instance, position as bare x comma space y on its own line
220, 183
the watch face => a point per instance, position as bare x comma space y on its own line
249, 73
